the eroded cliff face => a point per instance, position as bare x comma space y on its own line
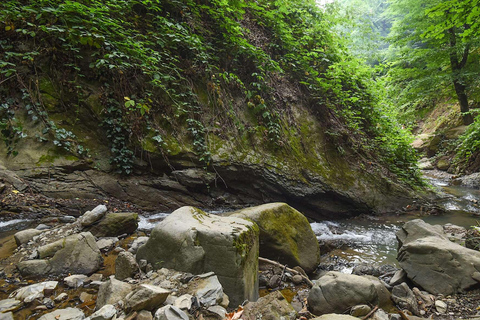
309, 171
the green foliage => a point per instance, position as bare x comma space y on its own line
469, 141
10, 127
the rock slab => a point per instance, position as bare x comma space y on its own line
191, 240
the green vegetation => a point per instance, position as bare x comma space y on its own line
179, 70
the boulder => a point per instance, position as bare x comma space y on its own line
285, 235
77, 253
273, 306
145, 297
115, 224
125, 266
335, 292
433, 262
64, 314
170, 312
111, 292
191, 240
405, 299
24, 236
90, 217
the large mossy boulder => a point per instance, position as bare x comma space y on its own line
336, 292
191, 240
285, 235
75, 254
115, 224
433, 262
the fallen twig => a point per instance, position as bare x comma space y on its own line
293, 271
370, 313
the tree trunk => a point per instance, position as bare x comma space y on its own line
463, 100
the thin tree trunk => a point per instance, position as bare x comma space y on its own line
463, 100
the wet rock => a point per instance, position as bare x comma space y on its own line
191, 240
125, 266
64, 314
75, 281
273, 306
441, 306
107, 312
405, 299
360, 310
90, 217
34, 291
471, 181
207, 289
145, 297
106, 244
335, 292
140, 241
144, 315
24, 236
77, 253
112, 291
433, 262
170, 312
116, 224
285, 235
7, 305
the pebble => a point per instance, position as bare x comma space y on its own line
47, 302
440, 306
297, 279
60, 297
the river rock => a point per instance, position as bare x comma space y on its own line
399, 277
145, 297
471, 181
115, 224
77, 253
433, 262
7, 305
6, 316
334, 316
106, 244
443, 164
285, 235
144, 315
24, 236
170, 312
441, 306
125, 266
403, 296
106, 312
111, 292
90, 217
191, 240
360, 311
336, 292
184, 302
64, 314
273, 306
140, 241
34, 291
75, 281
207, 289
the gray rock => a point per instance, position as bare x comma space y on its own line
90, 217
285, 235
471, 181
125, 266
273, 306
64, 314
336, 292
34, 291
42, 227
207, 289
297, 279
75, 281
170, 312
6, 316
191, 240
218, 310
26, 235
334, 316
62, 296
77, 253
399, 277
145, 297
433, 262
441, 306
360, 310
106, 312
115, 224
67, 219
140, 241
380, 315
106, 244
49, 303
111, 292
7, 305
184, 302
405, 299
